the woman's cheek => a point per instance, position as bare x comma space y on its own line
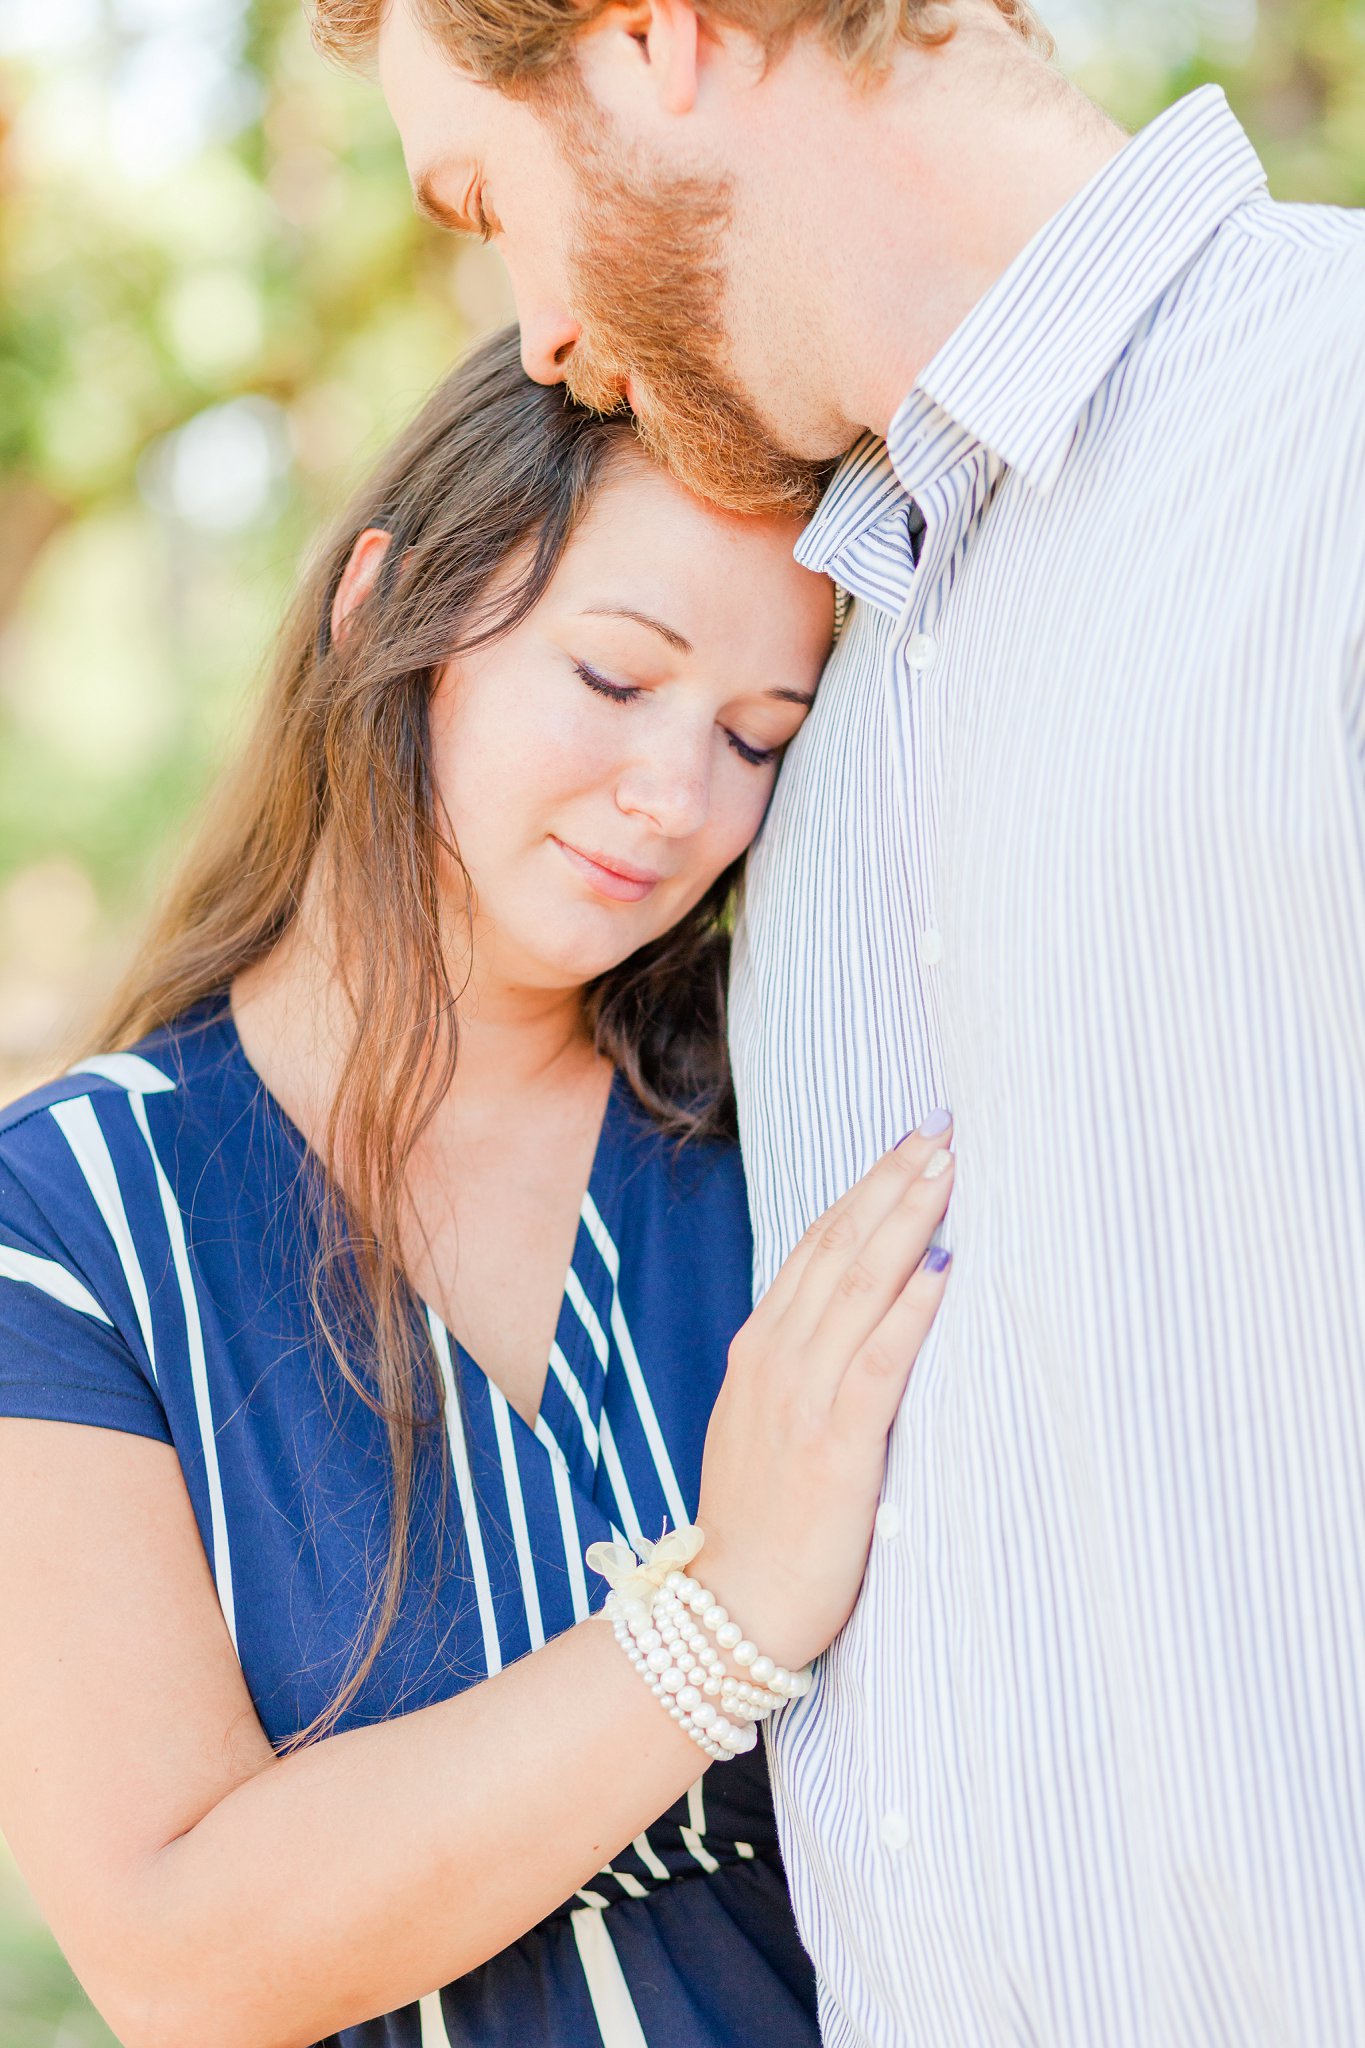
752, 800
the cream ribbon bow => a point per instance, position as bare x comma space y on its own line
635, 1580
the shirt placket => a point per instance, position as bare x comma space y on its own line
943, 520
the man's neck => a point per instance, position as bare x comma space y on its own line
916, 196
990, 172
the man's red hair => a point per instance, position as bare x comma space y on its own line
511, 44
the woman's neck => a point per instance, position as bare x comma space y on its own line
493, 1185
297, 1023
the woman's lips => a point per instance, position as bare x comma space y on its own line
621, 884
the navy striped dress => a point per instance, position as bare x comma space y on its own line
158, 1216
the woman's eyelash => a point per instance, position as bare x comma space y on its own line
757, 757
626, 693
619, 693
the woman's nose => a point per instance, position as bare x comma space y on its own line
671, 789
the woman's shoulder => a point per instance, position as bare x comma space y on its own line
64, 1144
169, 1057
131, 1187
89, 1230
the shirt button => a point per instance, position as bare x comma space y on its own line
888, 1521
921, 651
930, 946
894, 1830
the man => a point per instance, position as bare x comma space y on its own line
1074, 841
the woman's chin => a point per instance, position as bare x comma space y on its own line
571, 959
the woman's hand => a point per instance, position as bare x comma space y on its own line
797, 1444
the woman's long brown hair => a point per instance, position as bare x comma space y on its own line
481, 497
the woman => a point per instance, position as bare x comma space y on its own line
303, 1714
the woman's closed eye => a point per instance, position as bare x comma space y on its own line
627, 693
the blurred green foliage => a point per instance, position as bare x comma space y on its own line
215, 303
201, 339
1297, 84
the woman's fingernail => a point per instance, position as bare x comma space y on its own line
939, 1162
936, 1123
937, 1260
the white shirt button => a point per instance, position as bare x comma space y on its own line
921, 651
930, 946
888, 1521
894, 1830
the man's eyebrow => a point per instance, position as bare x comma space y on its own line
792, 697
434, 209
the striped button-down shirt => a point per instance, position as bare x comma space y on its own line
1074, 842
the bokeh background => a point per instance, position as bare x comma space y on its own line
216, 303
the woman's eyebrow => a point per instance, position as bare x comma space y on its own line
625, 611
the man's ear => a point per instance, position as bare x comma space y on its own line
359, 577
654, 42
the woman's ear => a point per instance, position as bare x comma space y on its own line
359, 577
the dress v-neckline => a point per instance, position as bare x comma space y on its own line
568, 1417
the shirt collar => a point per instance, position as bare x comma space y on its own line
1027, 361
858, 534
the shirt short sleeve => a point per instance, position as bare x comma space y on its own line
62, 1356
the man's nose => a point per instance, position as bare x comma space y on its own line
547, 341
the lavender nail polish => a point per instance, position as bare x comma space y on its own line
936, 1123
937, 1260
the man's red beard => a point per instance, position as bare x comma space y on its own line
646, 286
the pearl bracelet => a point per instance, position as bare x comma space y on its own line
773, 1679
675, 1685
754, 1702
655, 1611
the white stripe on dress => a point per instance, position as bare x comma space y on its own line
617, 2020
568, 1522
199, 1377
577, 1400
651, 1859
695, 1830
128, 1070
435, 2033
587, 1315
464, 1487
625, 1347
573, 1557
50, 1279
516, 1509
616, 1474
78, 1124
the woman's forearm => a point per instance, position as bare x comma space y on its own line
356, 1876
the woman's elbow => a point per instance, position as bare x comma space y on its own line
159, 2001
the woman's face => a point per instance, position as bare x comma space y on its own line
602, 764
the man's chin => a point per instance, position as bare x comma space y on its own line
708, 438
736, 473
